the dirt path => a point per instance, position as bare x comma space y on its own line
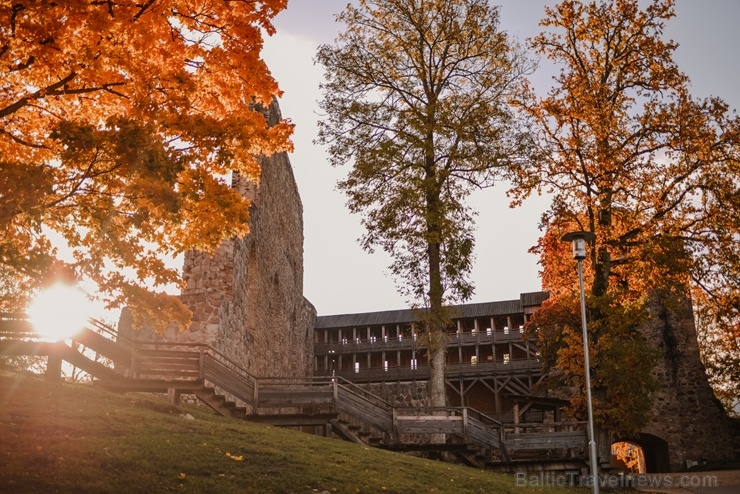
719, 482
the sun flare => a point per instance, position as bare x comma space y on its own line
59, 311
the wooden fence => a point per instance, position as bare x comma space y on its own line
176, 367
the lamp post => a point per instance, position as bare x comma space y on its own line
579, 240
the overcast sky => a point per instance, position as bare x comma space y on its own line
339, 276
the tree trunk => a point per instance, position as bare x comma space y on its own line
437, 325
436, 320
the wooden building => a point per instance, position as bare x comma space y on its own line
491, 365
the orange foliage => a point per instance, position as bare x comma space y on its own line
118, 123
630, 156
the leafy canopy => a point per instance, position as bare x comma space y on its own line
417, 98
629, 155
119, 122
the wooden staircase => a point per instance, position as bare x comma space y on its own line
332, 404
220, 403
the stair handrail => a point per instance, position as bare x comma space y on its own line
363, 393
433, 411
199, 347
110, 331
294, 380
485, 418
496, 425
140, 344
536, 427
14, 315
24, 330
348, 404
338, 382
136, 345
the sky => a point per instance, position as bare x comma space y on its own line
339, 277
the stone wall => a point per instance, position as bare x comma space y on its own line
685, 412
688, 424
401, 394
247, 299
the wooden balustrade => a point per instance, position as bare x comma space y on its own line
349, 345
421, 372
176, 367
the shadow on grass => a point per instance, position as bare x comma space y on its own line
75, 438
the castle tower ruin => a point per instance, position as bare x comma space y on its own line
247, 298
688, 423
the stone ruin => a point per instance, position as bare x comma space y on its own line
247, 302
247, 299
689, 424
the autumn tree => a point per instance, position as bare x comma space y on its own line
629, 155
719, 344
416, 95
119, 123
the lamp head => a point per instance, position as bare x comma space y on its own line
579, 240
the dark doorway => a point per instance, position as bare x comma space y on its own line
648, 452
629, 457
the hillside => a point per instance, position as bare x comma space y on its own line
75, 438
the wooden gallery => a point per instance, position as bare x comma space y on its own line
491, 365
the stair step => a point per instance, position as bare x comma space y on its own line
312, 403
293, 420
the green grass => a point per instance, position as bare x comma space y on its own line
75, 438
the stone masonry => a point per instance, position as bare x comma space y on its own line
247, 299
247, 302
685, 412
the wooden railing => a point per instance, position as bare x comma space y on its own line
431, 420
363, 405
487, 430
350, 345
546, 436
421, 371
223, 373
290, 392
191, 366
468, 424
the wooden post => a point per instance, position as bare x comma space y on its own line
335, 398
502, 439
201, 365
465, 425
173, 396
134, 360
53, 367
516, 418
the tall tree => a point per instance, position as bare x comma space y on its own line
416, 96
630, 156
719, 344
118, 123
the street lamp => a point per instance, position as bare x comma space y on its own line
579, 240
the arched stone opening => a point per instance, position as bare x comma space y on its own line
645, 453
629, 457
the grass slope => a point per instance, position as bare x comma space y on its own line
74, 438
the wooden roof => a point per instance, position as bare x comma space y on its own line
403, 316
